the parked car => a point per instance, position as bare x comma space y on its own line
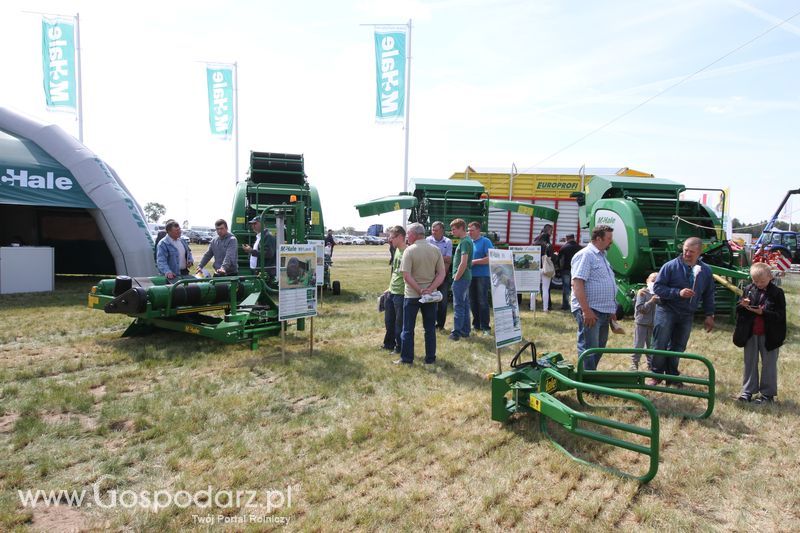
372, 239
197, 236
358, 240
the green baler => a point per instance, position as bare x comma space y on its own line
275, 180
650, 223
445, 200
246, 305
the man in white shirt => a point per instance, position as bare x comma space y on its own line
445, 245
269, 250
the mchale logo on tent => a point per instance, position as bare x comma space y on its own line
21, 178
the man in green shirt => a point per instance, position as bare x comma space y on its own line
462, 275
393, 306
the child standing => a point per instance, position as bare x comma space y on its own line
760, 329
643, 315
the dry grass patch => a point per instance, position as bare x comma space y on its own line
367, 445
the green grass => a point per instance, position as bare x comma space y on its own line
367, 445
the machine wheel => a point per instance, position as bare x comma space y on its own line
786, 253
337, 288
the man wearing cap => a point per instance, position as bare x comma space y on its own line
269, 250
565, 255
223, 249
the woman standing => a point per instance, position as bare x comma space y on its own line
543, 240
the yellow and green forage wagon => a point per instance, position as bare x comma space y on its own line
278, 193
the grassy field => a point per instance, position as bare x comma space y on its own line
360, 443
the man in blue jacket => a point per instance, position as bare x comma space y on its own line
680, 285
173, 256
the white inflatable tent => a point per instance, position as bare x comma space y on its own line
49, 182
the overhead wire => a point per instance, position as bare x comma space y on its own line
669, 88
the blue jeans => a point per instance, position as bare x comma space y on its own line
393, 320
593, 337
671, 332
566, 289
461, 308
479, 302
410, 308
441, 307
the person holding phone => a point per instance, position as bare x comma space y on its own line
760, 330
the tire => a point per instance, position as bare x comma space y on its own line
786, 253
336, 288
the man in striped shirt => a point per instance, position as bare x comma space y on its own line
594, 292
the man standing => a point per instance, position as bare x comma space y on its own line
594, 293
329, 241
678, 284
462, 276
173, 255
445, 246
423, 271
565, 255
479, 286
269, 248
223, 249
393, 306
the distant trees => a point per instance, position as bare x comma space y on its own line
154, 211
758, 227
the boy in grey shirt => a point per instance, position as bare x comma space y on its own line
643, 316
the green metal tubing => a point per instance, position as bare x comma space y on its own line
710, 382
652, 434
233, 280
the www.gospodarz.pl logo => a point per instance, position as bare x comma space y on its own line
155, 500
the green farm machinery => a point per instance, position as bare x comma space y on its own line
529, 387
244, 307
650, 222
275, 182
445, 200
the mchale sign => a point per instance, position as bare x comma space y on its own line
22, 178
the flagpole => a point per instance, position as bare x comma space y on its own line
78, 75
408, 114
236, 121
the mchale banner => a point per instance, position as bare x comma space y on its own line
390, 61
58, 62
220, 100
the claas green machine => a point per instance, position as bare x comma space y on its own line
231, 309
445, 200
650, 222
530, 387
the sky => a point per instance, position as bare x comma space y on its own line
534, 83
